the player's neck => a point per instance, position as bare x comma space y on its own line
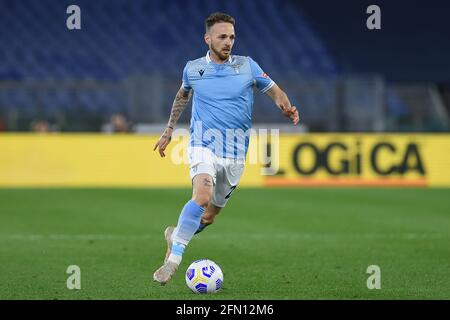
215, 58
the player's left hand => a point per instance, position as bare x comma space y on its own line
291, 112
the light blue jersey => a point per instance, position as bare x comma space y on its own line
223, 102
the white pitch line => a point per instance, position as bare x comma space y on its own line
226, 236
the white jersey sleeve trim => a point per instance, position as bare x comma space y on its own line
270, 85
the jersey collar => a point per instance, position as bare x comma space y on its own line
208, 59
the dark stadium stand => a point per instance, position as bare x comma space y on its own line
138, 37
146, 37
128, 58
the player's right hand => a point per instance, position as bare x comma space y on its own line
163, 142
291, 112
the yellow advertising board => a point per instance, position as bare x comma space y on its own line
418, 160
86, 160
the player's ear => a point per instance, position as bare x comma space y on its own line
207, 39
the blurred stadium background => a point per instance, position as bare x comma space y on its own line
374, 108
128, 57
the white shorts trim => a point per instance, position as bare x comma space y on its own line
202, 168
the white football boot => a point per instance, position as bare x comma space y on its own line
168, 269
168, 236
165, 272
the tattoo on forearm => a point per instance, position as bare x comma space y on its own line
179, 104
207, 182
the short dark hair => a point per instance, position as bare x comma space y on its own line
216, 18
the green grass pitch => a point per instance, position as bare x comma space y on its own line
270, 243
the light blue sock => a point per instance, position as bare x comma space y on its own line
188, 223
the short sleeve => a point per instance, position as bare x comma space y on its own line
262, 80
186, 85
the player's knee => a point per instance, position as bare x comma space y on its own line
202, 198
203, 188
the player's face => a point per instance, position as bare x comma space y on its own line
220, 39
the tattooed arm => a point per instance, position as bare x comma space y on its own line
179, 104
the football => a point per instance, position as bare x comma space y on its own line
204, 276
